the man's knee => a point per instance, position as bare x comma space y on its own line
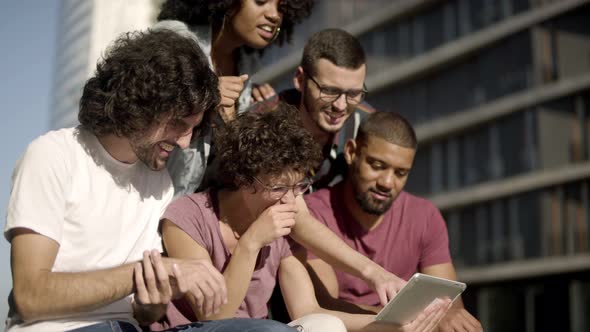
320, 322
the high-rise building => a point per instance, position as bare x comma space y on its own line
86, 28
499, 92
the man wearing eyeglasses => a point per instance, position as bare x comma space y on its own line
329, 93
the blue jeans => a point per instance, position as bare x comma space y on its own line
110, 325
235, 325
223, 325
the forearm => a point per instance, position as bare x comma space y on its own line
316, 237
348, 307
238, 275
49, 295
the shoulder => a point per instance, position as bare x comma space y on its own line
416, 201
53, 146
419, 206
320, 198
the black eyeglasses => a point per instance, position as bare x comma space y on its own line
278, 192
331, 94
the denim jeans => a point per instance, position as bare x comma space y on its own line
110, 326
223, 325
235, 325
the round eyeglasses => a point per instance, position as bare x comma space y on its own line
331, 94
279, 191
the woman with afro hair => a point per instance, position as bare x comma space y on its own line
225, 30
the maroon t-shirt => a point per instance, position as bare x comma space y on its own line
412, 236
196, 215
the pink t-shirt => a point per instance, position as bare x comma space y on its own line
197, 215
412, 235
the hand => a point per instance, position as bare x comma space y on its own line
274, 222
230, 88
458, 319
261, 92
153, 291
200, 279
429, 318
385, 283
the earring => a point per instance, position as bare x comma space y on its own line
276, 34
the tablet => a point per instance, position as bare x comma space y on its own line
416, 295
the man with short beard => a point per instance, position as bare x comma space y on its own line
86, 201
370, 211
329, 93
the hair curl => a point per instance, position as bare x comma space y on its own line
144, 76
212, 12
269, 142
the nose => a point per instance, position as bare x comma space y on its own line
289, 197
340, 103
386, 181
184, 141
272, 13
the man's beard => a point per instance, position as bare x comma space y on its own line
370, 205
145, 152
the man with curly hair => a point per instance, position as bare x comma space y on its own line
85, 205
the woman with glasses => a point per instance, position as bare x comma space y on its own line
241, 226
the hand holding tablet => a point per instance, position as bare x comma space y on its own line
418, 293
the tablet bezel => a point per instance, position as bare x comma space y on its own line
416, 295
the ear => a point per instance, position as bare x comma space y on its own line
298, 79
350, 153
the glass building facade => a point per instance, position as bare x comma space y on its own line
499, 93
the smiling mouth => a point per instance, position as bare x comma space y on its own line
166, 146
267, 31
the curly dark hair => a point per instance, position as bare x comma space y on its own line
144, 76
211, 12
268, 142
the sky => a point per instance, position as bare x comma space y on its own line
28, 35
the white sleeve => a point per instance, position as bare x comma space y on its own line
39, 183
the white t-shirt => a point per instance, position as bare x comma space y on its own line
103, 213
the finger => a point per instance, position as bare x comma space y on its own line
391, 291
256, 94
230, 94
435, 316
267, 91
141, 295
218, 282
234, 87
283, 207
162, 278
208, 295
181, 284
227, 102
382, 296
150, 279
244, 77
195, 291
